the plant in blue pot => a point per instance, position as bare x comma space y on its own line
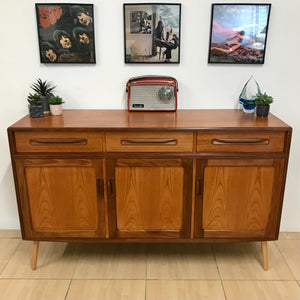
35, 106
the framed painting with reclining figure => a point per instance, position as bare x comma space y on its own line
239, 33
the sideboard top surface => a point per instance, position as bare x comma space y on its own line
122, 119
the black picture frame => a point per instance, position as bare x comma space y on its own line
238, 33
152, 33
66, 33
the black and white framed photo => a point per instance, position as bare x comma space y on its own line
238, 33
152, 32
66, 32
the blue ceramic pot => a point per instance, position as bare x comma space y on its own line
36, 111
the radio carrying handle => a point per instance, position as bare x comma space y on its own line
150, 76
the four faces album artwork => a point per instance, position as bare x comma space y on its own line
66, 33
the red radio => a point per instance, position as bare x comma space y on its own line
152, 93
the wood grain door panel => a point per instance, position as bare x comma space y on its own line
52, 190
238, 198
63, 197
149, 198
152, 198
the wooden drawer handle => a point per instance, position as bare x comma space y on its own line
57, 141
240, 141
149, 142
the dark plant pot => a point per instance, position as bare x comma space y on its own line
45, 104
262, 110
36, 111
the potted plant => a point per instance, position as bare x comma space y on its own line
35, 106
56, 108
44, 89
263, 102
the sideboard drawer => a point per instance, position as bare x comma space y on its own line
59, 141
221, 141
163, 141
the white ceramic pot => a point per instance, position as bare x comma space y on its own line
56, 110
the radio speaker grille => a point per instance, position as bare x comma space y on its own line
152, 97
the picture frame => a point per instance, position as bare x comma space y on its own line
238, 33
66, 33
152, 32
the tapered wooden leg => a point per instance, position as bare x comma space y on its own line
35, 251
264, 252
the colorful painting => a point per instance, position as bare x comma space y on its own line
66, 33
239, 33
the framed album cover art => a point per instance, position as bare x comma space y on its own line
239, 33
66, 32
152, 32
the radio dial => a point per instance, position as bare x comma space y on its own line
165, 94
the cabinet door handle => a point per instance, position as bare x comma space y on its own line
149, 141
58, 141
240, 141
198, 186
100, 190
110, 188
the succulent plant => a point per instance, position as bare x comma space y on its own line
263, 99
43, 88
34, 99
56, 100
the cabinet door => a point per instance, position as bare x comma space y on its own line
149, 198
61, 197
239, 198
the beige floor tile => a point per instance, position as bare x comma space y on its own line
261, 290
20, 289
55, 261
7, 248
184, 290
111, 261
289, 235
243, 261
107, 290
10, 234
290, 250
181, 261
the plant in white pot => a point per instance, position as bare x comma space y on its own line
55, 103
263, 102
35, 106
44, 89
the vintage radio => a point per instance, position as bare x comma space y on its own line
152, 93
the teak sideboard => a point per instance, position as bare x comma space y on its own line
186, 176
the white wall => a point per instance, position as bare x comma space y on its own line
102, 86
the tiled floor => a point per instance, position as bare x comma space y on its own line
69, 271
